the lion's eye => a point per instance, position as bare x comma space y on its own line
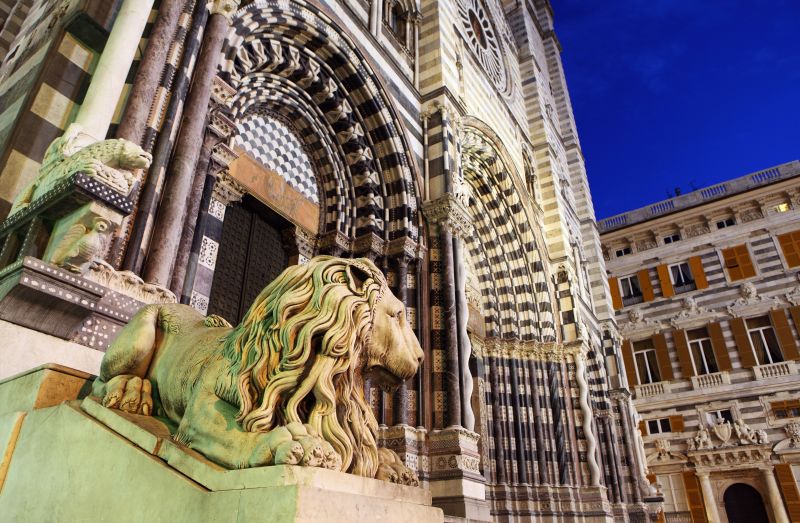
398, 315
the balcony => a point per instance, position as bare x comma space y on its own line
685, 287
633, 299
775, 370
648, 390
710, 381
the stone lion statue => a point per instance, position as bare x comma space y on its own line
283, 387
110, 161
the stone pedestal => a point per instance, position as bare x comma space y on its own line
456, 483
79, 461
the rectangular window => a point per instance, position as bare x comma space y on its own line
646, 362
658, 426
727, 222
781, 207
672, 238
631, 290
786, 409
790, 245
713, 415
623, 252
702, 352
681, 277
674, 495
764, 342
737, 263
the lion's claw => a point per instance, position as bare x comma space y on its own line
129, 394
392, 469
298, 444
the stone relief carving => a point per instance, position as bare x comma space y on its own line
793, 296
691, 312
109, 161
696, 230
638, 324
751, 302
724, 431
128, 283
80, 245
793, 433
275, 389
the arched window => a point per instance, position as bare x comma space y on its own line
397, 20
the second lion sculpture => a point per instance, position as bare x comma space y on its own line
285, 386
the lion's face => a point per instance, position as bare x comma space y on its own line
393, 352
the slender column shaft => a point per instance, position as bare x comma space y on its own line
464, 346
148, 76
775, 499
630, 444
497, 421
109, 76
192, 212
402, 407
451, 329
588, 429
522, 473
541, 457
172, 211
708, 497
141, 232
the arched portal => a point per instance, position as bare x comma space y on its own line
289, 59
743, 504
505, 251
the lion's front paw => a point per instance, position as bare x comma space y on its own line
316, 451
129, 394
392, 469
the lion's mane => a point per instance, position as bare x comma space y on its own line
297, 356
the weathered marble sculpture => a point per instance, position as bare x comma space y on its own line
110, 161
283, 387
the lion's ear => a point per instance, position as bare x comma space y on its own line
356, 277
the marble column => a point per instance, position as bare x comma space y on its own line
588, 418
774, 494
401, 406
452, 369
109, 76
172, 210
464, 347
710, 502
148, 76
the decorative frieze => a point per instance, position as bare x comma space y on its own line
534, 350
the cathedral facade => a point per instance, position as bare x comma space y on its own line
435, 138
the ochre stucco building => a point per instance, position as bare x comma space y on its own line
707, 296
435, 138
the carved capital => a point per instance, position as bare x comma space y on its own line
226, 8
221, 91
334, 243
299, 241
404, 246
223, 155
369, 245
449, 213
227, 190
222, 126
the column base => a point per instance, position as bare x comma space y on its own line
456, 483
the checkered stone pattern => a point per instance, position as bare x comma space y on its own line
298, 52
276, 146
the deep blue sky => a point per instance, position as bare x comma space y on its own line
680, 93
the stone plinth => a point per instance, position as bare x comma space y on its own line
81, 461
51, 300
456, 483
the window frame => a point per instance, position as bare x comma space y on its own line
647, 360
660, 422
671, 238
725, 268
686, 286
725, 223
623, 251
794, 240
761, 330
633, 298
709, 348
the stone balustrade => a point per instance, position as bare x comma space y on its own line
775, 370
648, 390
710, 381
684, 201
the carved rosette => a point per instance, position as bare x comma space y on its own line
450, 214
